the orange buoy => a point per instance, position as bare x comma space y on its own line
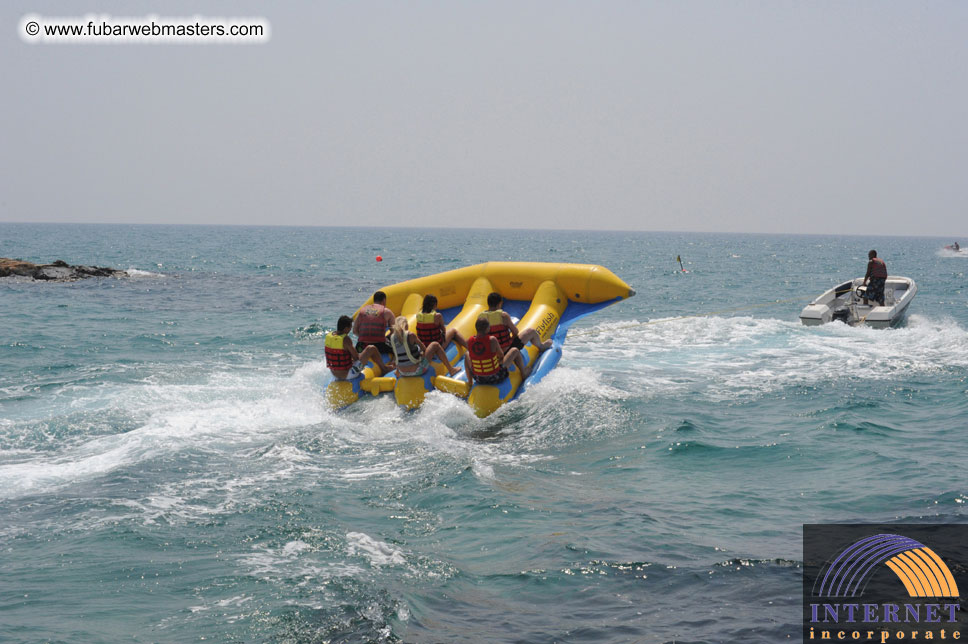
379, 258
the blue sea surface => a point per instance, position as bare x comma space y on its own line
169, 471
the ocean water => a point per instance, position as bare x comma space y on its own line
170, 473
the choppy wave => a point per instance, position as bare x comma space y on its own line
222, 411
376, 552
314, 330
283, 418
276, 420
140, 273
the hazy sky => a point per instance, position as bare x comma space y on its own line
786, 117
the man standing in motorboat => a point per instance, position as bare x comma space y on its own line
877, 275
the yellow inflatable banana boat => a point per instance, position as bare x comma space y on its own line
547, 297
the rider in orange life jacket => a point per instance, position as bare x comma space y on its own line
877, 274
431, 327
371, 324
342, 357
486, 362
502, 327
412, 356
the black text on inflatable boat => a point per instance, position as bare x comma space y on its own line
546, 324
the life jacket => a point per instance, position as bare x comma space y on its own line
498, 329
337, 357
373, 326
427, 329
879, 269
484, 360
401, 351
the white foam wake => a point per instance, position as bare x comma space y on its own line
275, 425
725, 357
222, 411
137, 272
376, 552
950, 252
263, 426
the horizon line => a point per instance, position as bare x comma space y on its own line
471, 228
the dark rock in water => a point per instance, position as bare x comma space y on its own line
59, 271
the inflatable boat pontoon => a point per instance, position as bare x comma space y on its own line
548, 297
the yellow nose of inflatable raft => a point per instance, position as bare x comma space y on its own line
547, 297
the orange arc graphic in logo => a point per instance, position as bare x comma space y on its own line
923, 573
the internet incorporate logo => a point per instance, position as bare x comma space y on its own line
881, 586
922, 572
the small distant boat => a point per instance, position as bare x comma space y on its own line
956, 248
845, 303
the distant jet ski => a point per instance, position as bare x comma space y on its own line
845, 303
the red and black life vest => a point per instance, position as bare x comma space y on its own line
338, 358
427, 328
498, 329
879, 269
484, 360
372, 328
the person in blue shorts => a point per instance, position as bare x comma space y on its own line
875, 278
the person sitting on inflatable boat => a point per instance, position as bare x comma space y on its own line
431, 327
342, 358
372, 323
413, 358
486, 362
503, 328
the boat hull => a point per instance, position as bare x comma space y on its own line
843, 303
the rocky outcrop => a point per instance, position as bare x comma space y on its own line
59, 271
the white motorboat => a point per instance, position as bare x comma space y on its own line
845, 303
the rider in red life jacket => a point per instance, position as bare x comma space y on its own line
372, 322
431, 327
877, 275
503, 328
342, 357
486, 362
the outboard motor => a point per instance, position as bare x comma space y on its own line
842, 314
